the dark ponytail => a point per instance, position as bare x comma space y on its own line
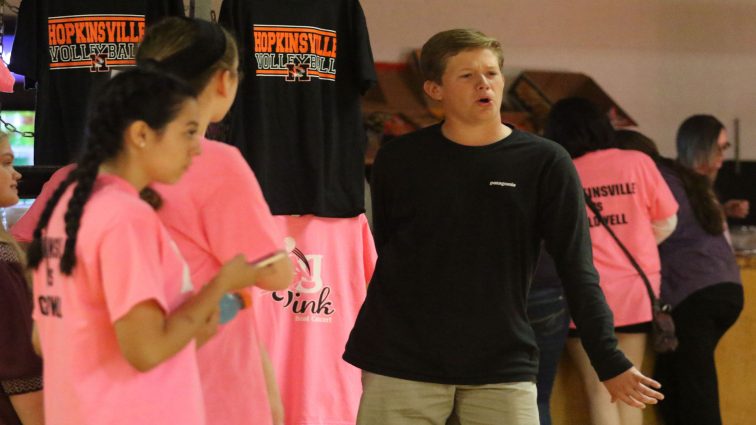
134, 95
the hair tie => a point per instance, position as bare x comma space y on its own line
151, 65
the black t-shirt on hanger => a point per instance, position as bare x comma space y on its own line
297, 117
66, 49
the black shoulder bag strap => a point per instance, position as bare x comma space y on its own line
654, 301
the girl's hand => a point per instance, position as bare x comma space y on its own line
237, 274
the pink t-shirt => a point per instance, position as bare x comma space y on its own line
215, 212
306, 327
124, 257
631, 193
23, 230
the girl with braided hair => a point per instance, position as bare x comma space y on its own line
216, 210
117, 317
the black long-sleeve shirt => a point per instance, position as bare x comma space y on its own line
458, 229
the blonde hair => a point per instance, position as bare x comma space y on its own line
5, 237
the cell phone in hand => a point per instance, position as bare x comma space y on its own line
268, 259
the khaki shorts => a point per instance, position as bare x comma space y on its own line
393, 401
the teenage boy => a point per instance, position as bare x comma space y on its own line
460, 209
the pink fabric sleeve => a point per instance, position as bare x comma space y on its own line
23, 230
130, 265
236, 217
659, 198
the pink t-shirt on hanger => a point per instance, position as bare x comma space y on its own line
215, 212
306, 327
124, 257
631, 194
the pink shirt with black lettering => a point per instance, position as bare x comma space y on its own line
631, 194
124, 256
215, 212
306, 327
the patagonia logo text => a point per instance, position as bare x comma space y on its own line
502, 184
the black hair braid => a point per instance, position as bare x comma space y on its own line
103, 127
86, 174
35, 252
